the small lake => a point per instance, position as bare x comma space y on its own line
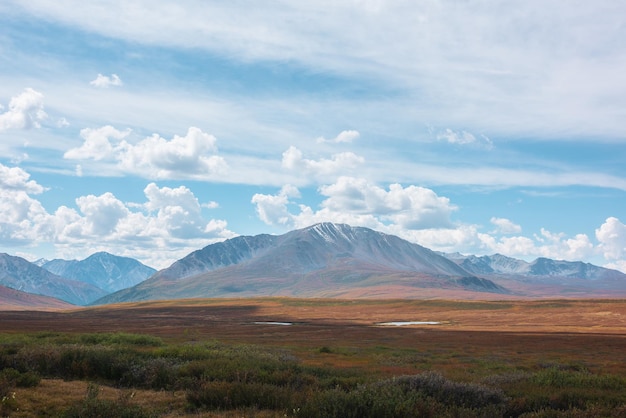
273, 323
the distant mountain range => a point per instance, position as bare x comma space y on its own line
540, 268
330, 260
75, 282
323, 260
106, 271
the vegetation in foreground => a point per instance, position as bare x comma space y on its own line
218, 379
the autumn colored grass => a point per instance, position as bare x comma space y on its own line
232, 357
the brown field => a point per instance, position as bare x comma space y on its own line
593, 331
472, 339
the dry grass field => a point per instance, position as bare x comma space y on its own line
473, 342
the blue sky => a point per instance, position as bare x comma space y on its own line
153, 128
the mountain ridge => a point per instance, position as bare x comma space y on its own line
20, 274
104, 270
321, 259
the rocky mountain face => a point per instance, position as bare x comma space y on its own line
322, 260
19, 274
106, 271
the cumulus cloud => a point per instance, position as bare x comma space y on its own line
189, 156
612, 237
97, 144
22, 218
273, 209
505, 226
16, 179
358, 202
26, 111
167, 226
293, 159
103, 81
344, 136
177, 210
170, 215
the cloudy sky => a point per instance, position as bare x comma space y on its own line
151, 128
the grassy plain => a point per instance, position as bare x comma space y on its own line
238, 357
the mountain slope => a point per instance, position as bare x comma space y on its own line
11, 299
322, 260
19, 274
106, 271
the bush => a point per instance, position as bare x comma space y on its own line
456, 393
236, 395
92, 407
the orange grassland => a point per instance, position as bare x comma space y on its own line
593, 331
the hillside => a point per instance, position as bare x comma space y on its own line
11, 299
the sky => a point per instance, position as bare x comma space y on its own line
150, 129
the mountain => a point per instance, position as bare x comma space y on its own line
540, 268
106, 271
326, 259
19, 274
11, 299
495, 264
544, 277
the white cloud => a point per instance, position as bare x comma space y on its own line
189, 156
412, 207
338, 163
344, 136
16, 179
464, 138
494, 69
169, 225
103, 81
166, 227
22, 218
161, 158
177, 210
273, 209
505, 226
612, 238
97, 144
358, 202
101, 214
26, 110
